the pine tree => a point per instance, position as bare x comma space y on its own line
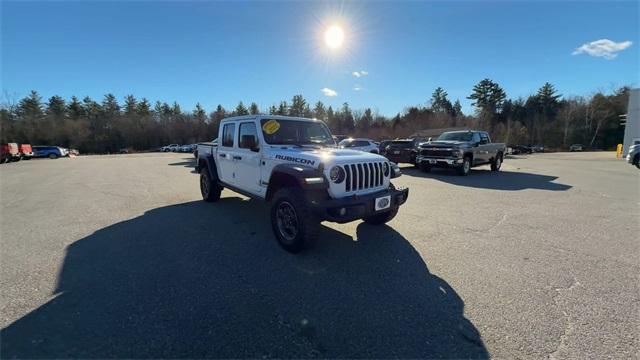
457, 108
439, 101
488, 96
298, 105
241, 109
346, 118
283, 109
130, 105
319, 111
273, 110
74, 109
364, 123
253, 109
144, 108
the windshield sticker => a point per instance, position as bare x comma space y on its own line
271, 127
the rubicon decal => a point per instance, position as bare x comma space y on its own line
296, 160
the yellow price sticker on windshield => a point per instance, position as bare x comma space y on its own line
270, 127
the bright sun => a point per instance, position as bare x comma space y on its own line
334, 36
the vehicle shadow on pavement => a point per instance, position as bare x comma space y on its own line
199, 280
487, 179
188, 162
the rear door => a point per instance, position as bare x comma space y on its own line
247, 159
485, 148
226, 147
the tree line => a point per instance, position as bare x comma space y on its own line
107, 126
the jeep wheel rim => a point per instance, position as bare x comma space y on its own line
498, 162
466, 165
287, 221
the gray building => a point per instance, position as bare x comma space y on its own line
632, 129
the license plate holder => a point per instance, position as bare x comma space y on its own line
432, 161
382, 203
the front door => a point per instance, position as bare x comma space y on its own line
248, 159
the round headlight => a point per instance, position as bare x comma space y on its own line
336, 174
385, 169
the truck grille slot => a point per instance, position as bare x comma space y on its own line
363, 176
436, 152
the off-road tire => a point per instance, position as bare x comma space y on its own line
497, 162
636, 160
382, 218
307, 224
465, 168
209, 189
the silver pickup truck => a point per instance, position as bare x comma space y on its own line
461, 150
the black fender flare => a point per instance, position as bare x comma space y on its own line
295, 175
209, 163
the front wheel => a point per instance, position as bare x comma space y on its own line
209, 189
465, 168
636, 161
293, 221
381, 218
53, 156
496, 163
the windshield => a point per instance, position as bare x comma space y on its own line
456, 136
295, 132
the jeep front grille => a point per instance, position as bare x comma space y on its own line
363, 176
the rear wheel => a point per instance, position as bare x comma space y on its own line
496, 163
209, 189
293, 221
465, 168
636, 161
53, 156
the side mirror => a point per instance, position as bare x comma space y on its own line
249, 142
429, 139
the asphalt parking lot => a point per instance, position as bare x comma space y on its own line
117, 256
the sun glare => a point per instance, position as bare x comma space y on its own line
334, 37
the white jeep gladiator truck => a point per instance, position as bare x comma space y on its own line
293, 163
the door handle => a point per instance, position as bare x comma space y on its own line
236, 157
222, 155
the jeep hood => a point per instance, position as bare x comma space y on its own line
315, 156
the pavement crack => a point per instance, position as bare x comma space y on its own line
562, 348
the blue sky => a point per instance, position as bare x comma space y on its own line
223, 52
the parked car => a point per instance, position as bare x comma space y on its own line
576, 147
367, 145
401, 151
537, 148
383, 145
74, 152
461, 150
188, 148
52, 152
338, 138
9, 152
123, 151
170, 147
520, 149
633, 157
26, 152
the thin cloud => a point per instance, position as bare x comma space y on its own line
360, 73
329, 92
357, 87
602, 48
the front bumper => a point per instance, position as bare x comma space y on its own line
357, 207
439, 162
